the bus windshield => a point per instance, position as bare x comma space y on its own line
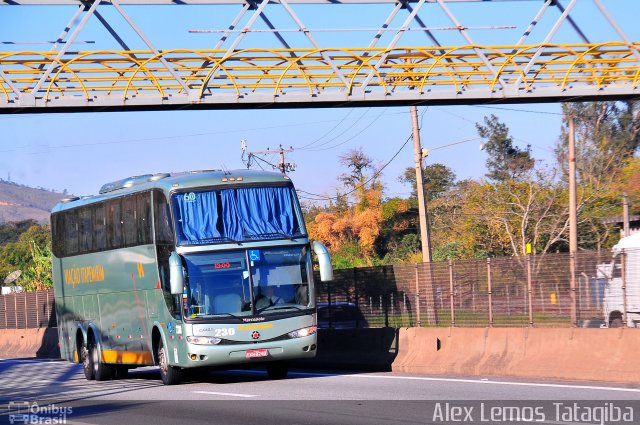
220, 284
236, 214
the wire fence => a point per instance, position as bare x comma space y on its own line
27, 310
534, 290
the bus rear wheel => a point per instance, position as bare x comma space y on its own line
277, 370
170, 375
101, 371
87, 362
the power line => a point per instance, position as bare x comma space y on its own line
375, 175
455, 143
159, 138
347, 129
354, 136
284, 167
530, 111
328, 132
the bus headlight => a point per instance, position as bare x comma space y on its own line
203, 340
300, 333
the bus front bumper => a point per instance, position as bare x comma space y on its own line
247, 353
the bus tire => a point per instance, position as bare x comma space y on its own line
101, 371
170, 375
277, 370
87, 362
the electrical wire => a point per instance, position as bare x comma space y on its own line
172, 137
339, 135
375, 175
518, 110
328, 132
354, 136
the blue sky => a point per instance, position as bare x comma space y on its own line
80, 152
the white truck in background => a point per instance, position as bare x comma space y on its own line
614, 295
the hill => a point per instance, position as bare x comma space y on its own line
18, 202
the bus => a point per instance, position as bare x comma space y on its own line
185, 270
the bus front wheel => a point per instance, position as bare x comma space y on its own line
170, 375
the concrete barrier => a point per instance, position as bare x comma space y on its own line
558, 353
29, 343
554, 353
371, 349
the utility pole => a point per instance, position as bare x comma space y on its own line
625, 215
425, 236
283, 166
573, 219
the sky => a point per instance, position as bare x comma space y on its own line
80, 152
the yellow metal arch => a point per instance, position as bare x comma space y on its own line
448, 71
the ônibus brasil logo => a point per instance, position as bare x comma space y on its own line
23, 412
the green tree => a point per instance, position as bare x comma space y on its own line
607, 137
31, 254
505, 161
10, 232
438, 180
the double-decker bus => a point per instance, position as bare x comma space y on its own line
185, 270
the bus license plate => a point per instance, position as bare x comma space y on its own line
252, 354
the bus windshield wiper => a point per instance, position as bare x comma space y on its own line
282, 307
217, 315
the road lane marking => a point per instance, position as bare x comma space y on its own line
482, 381
226, 394
487, 382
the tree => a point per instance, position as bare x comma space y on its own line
10, 232
357, 179
505, 161
438, 180
351, 233
30, 253
607, 137
532, 211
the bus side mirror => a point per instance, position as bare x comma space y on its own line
176, 278
324, 259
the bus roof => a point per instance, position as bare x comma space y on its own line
173, 181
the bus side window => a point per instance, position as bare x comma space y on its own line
129, 219
162, 225
114, 224
57, 231
71, 232
99, 228
85, 230
143, 215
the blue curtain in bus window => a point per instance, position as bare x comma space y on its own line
266, 211
231, 219
199, 213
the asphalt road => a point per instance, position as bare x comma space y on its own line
305, 397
